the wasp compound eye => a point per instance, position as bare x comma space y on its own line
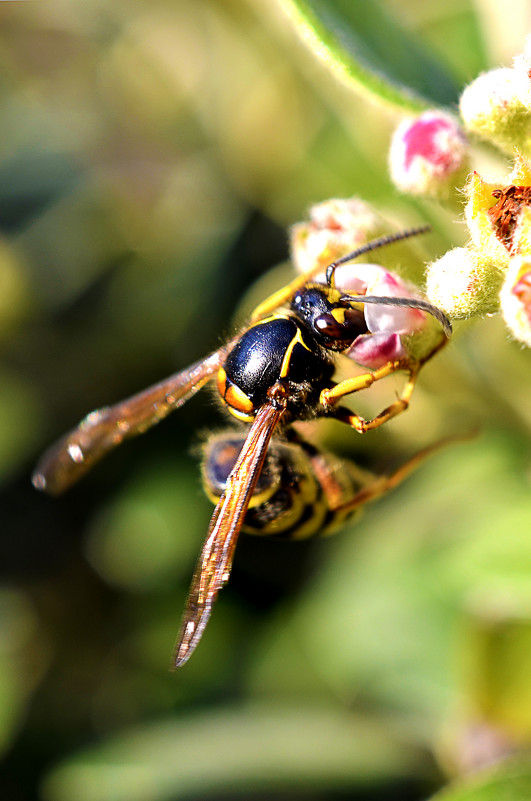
334, 324
327, 325
340, 327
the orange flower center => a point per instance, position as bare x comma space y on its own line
504, 214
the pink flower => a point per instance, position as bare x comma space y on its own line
389, 326
429, 155
375, 350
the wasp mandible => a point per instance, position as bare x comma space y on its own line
277, 370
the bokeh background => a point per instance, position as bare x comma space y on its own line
152, 158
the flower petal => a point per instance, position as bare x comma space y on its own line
393, 319
375, 350
356, 278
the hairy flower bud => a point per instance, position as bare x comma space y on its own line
463, 283
335, 228
429, 155
522, 65
515, 298
497, 107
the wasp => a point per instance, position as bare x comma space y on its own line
276, 371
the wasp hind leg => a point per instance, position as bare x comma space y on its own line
377, 486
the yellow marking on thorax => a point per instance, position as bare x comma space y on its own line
284, 368
237, 399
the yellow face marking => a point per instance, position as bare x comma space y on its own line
339, 315
333, 295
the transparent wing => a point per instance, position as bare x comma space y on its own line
215, 562
106, 428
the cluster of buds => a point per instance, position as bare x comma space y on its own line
494, 270
428, 156
336, 227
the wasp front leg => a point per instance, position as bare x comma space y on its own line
330, 395
354, 420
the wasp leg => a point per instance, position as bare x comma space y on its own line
379, 486
362, 382
397, 407
330, 395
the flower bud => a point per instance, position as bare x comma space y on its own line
463, 283
497, 106
375, 350
335, 228
522, 62
515, 298
429, 155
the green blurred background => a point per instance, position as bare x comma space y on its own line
152, 157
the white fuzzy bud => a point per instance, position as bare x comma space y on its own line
497, 106
462, 283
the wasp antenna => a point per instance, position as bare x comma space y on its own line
375, 244
413, 303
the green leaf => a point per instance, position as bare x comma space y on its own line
509, 781
232, 749
366, 48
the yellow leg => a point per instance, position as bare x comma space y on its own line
397, 407
331, 395
384, 484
